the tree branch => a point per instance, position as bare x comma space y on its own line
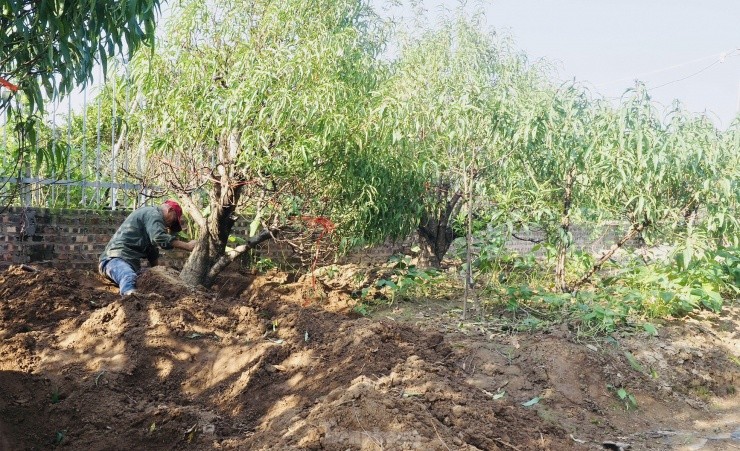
531, 240
193, 210
231, 255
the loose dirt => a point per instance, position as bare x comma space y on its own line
268, 362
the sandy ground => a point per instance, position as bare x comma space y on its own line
265, 362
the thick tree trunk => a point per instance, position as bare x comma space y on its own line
211, 246
206, 253
214, 230
436, 234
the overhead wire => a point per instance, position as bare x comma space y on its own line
718, 58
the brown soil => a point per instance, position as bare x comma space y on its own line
266, 362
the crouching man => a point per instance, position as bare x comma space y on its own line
140, 236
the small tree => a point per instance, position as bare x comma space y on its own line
551, 173
450, 95
663, 176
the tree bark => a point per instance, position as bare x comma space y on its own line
435, 232
203, 265
211, 245
201, 260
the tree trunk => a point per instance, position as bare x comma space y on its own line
436, 234
214, 230
207, 252
211, 245
564, 242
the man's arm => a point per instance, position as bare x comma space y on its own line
152, 255
176, 244
186, 246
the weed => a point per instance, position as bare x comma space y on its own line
362, 309
634, 363
628, 399
734, 359
264, 264
56, 396
629, 297
58, 437
97, 378
703, 392
330, 272
408, 281
681, 286
359, 277
530, 324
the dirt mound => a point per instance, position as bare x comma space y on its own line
282, 366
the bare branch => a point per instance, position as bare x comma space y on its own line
194, 211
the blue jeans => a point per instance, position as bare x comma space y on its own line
121, 273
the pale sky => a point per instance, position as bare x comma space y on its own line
682, 49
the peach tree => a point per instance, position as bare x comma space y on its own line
269, 110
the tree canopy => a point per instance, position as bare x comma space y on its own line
51, 47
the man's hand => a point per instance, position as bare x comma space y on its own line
189, 246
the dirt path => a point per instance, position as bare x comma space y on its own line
266, 364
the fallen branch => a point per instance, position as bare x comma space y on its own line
634, 230
507, 444
28, 268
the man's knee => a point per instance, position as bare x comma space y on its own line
119, 271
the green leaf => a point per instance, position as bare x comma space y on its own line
649, 328
531, 402
633, 362
254, 225
387, 283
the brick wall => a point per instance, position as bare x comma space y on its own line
75, 238
62, 238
